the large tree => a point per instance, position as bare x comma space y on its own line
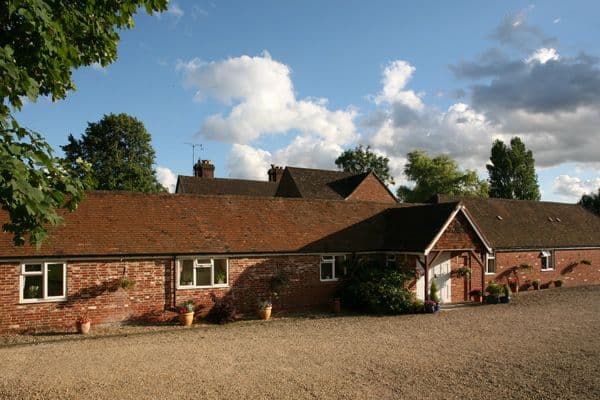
41, 42
512, 171
591, 202
360, 159
438, 175
119, 153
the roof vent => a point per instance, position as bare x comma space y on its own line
550, 219
499, 217
557, 219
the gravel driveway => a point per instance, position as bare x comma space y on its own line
545, 344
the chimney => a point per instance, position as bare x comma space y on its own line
204, 169
275, 173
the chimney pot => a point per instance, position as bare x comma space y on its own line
275, 173
204, 169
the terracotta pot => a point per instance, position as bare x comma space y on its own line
84, 328
186, 319
337, 305
265, 313
514, 287
477, 299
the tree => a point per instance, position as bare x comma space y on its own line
591, 202
119, 152
438, 175
512, 172
41, 42
359, 160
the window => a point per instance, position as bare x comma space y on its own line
390, 261
43, 281
332, 267
547, 260
490, 264
203, 272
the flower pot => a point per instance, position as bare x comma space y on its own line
489, 299
476, 298
337, 305
265, 313
84, 328
186, 319
504, 299
429, 308
437, 307
514, 287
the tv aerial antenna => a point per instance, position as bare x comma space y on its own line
194, 145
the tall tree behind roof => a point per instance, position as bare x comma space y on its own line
360, 159
512, 172
591, 202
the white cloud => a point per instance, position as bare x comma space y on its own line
261, 95
396, 76
247, 162
572, 187
542, 56
167, 178
556, 20
98, 67
175, 10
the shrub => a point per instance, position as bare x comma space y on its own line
223, 311
433, 292
559, 283
475, 292
506, 290
126, 283
375, 288
418, 307
494, 289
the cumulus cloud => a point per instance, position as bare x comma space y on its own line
542, 56
261, 95
395, 77
516, 31
247, 162
573, 188
167, 178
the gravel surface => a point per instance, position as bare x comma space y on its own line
544, 345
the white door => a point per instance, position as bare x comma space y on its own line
441, 273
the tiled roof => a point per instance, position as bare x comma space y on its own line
221, 186
124, 223
509, 224
318, 183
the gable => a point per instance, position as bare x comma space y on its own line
372, 189
459, 235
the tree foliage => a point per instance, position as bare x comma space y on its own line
438, 175
360, 159
41, 42
591, 202
512, 172
119, 152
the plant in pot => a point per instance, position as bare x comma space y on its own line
559, 283
513, 283
186, 312
475, 294
430, 306
125, 283
433, 294
505, 298
493, 293
536, 284
84, 324
463, 272
264, 308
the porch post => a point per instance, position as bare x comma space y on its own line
426, 276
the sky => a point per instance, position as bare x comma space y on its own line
297, 82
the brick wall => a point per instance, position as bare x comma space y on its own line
572, 275
371, 189
459, 235
92, 290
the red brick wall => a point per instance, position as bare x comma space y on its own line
580, 274
92, 290
371, 189
459, 235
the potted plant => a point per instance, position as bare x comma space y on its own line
125, 283
264, 309
475, 294
186, 312
430, 306
493, 293
536, 284
505, 298
463, 272
433, 295
513, 283
220, 278
84, 324
559, 283
526, 285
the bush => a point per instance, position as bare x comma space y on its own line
559, 283
494, 289
433, 292
373, 288
223, 311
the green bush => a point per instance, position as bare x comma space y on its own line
494, 289
374, 288
434, 292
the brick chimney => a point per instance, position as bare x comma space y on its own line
204, 169
275, 173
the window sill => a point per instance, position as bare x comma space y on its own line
329, 280
548, 270
37, 301
202, 287
489, 273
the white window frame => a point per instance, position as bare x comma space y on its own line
490, 256
44, 274
329, 259
549, 256
390, 258
197, 265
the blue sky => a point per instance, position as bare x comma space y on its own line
295, 83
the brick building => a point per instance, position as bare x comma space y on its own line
220, 237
